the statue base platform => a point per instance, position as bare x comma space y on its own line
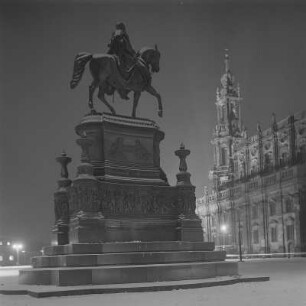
129, 262
119, 221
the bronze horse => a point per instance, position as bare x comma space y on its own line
108, 77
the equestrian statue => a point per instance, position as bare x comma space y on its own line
121, 69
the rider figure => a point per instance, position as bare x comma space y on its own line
120, 46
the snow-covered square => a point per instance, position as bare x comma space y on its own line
286, 287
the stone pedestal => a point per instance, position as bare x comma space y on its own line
121, 193
124, 149
123, 221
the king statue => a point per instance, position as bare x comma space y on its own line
121, 69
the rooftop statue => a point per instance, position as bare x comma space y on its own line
121, 69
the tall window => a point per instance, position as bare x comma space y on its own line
274, 234
302, 153
289, 205
290, 232
223, 156
272, 207
254, 212
255, 236
284, 158
235, 166
267, 160
222, 117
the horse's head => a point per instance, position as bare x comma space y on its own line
151, 57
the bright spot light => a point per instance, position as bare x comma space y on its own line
17, 246
223, 228
11, 258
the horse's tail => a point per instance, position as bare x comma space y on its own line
80, 61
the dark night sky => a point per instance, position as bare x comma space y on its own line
39, 40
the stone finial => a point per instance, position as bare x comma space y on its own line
273, 122
64, 160
218, 93
238, 90
226, 60
258, 127
183, 177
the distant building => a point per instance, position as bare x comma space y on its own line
258, 189
7, 253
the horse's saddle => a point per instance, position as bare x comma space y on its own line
127, 70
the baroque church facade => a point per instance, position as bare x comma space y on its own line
257, 197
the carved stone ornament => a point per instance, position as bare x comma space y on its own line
85, 196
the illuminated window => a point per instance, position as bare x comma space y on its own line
0, 242
8, 243
1, 258
11, 258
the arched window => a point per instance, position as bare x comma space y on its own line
273, 231
267, 160
289, 205
290, 229
272, 208
223, 157
255, 234
222, 113
302, 153
254, 211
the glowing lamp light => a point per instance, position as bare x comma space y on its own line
223, 228
17, 246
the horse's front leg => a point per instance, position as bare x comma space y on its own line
102, 98
92, 89
135, 102
154, 93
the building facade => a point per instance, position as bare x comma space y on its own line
7, 253
257, 197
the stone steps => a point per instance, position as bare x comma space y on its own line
126, 247
73, 276
133, 258
126, 262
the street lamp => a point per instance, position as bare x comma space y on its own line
223, 229
17, 247
239, 236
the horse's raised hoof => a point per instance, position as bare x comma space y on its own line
160, 113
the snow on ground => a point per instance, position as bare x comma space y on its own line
287, 287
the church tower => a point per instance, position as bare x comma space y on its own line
228, 129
